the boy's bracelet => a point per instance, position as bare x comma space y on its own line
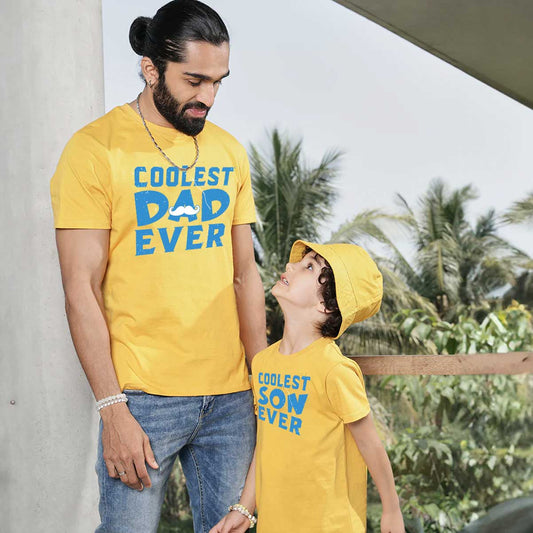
241, 509
110, 400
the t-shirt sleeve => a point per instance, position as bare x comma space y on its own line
80, 188
244, 205
345, 389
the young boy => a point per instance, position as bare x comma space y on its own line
315, 434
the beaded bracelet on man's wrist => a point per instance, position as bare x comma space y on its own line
110, 400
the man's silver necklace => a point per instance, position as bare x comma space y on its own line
184, 167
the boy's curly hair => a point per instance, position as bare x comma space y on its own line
330, 327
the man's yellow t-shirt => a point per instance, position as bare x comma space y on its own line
310, 475
168, 288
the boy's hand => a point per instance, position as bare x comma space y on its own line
392, 522
233, 522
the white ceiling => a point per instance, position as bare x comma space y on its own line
492, 40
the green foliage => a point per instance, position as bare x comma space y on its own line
456, 264
173, 526
522, 289
293, 201
520, 212
462, 443
458, 444
176, 514
463, 446
507, 330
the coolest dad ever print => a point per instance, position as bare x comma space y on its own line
201, 197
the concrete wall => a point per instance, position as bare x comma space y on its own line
51, 84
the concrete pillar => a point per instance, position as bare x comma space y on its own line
51, 84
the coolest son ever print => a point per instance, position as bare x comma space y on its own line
282, 398
152, 206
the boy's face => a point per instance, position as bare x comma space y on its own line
299, 283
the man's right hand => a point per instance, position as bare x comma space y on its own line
126, 447
83, 256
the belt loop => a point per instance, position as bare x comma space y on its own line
206, 403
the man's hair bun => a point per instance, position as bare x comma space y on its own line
138, 34
165, 37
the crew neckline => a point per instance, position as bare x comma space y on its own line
310, 347
170, 132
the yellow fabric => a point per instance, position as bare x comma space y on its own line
168, 288
358, 282
310, 475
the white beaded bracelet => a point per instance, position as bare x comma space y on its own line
110, 400
241, 509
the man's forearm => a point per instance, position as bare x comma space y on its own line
83, 256
91, 339
126, 447
250, 298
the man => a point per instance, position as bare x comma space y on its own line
152, 206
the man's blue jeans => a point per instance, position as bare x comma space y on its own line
214, 438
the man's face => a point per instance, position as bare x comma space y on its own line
299, 283
186, 91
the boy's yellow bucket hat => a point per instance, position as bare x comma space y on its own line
358, 282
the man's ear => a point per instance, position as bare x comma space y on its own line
149, 70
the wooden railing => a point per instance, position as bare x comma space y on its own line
441, 365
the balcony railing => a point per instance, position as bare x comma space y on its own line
446, 365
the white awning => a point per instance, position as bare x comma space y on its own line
492, 40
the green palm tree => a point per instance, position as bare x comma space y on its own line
292, 201
457, 264
295, 201
455, 267
434, 232
379, 335
521, 211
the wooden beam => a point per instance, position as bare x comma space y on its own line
442, 365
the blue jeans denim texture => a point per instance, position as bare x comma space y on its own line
214, 438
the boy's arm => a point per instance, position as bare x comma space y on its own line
374, 454
235, 522
249, 292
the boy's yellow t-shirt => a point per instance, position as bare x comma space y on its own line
310, 475
168, 288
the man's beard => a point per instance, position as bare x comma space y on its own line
169, 108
